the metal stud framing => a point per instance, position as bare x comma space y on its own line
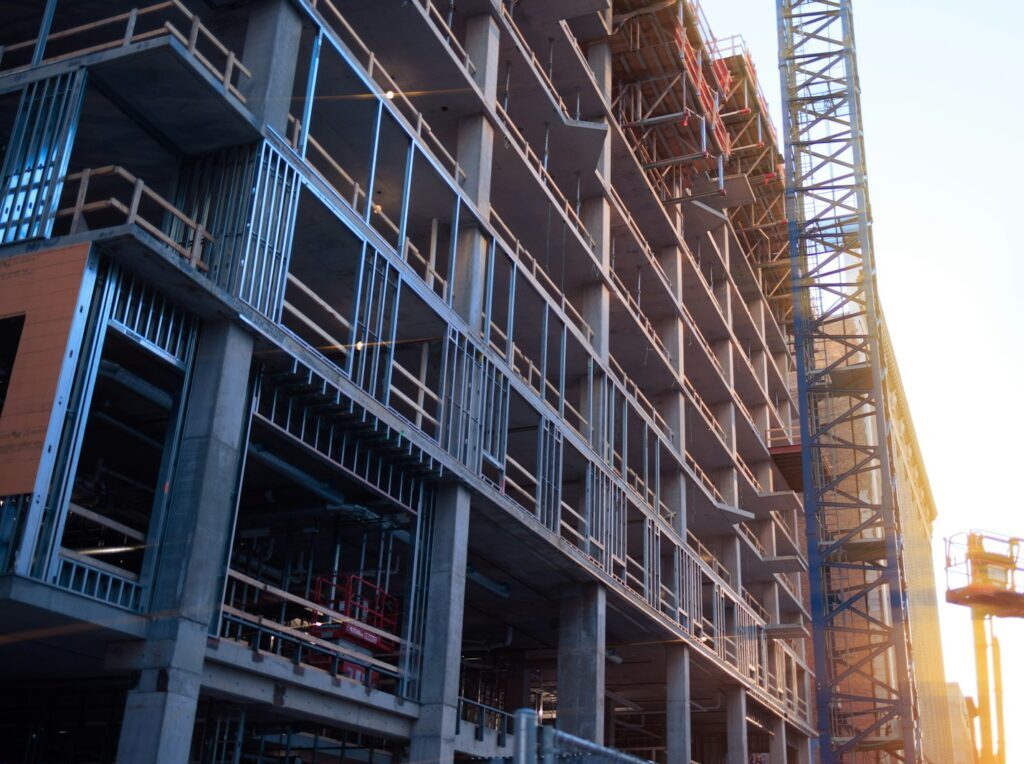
865, 689
37, 155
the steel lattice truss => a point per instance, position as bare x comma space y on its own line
865, 700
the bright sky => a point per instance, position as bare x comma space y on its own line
941, 91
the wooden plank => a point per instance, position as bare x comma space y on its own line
308, 638
334, 615
106, 522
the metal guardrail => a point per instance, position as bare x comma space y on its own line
534, 744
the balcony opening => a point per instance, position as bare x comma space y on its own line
125, 458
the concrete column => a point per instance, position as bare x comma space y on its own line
725, 415
475, 155
771, 602
469, 273
727, 482
581, 662
160, 710
678, 733
595, 298
673, 493
433, 735
732, 559
777, 746
736, 725
271, 52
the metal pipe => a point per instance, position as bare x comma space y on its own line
524, 750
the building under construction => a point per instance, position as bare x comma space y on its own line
373, 369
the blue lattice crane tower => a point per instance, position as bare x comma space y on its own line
865, 688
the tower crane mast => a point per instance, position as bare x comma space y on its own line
865, 689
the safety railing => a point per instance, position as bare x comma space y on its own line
782, 436
639, 316
171, 17
520, 484
443, 27
522, 146
703, 476
334, 320
97, 580
534, 743
634, 393
273, 620
532, 59
125, 199
708, 558
530, 264
783, 527
484, 717
748, 533
411, 392
748, 473
337, 22
735, 45
754, 605
574, 524
789, 585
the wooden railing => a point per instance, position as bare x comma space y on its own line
705, 554
528, 52
146, 23
334, 344
703, 477
538, 166
522, 483
748, 533
247, 601
422, 402
633, 391
189, 244
440, 23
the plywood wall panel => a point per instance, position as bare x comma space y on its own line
44, 286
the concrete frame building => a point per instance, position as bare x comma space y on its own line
372, 369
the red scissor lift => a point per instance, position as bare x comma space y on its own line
368, 606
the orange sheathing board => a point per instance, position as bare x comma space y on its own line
44, 286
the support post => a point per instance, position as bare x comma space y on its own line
736, 725
271, 52
433, 735
678, 732
581, 662
777, 746
475, 156
160, 711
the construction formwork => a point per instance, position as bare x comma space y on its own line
374, 370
